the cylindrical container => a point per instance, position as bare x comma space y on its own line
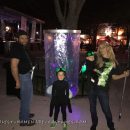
62, 50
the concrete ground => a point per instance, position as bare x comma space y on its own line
80, 118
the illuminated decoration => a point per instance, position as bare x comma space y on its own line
62, 51
84, 68
104, 75
90, 53
60, 69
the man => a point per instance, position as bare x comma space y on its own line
21, 70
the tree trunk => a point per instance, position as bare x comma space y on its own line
69, 16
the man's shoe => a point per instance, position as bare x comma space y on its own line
27, 123
93, 128
31, 115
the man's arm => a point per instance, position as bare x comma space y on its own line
14, 70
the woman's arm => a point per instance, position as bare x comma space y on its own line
125, 74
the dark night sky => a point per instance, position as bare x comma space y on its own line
92, 12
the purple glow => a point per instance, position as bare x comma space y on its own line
74, 90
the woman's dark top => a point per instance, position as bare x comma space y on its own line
104, 74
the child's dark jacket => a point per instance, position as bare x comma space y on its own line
60, 95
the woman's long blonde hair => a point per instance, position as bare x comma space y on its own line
112, 58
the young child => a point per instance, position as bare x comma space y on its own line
87, 70
60, 98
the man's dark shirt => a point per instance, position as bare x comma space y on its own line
18, 51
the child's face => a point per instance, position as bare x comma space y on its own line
90, 58
61, 75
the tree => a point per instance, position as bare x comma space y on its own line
68, 12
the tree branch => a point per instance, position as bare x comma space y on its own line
65, 8
59, 12
80, 6
69, 17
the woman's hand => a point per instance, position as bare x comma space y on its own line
126, 73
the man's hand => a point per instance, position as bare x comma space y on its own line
17, 85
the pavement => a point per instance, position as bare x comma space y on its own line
79, 119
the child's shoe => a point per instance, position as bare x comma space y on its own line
53, 124
64, 126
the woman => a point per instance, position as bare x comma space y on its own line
106, 69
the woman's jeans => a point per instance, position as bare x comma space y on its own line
26, 92
104, 102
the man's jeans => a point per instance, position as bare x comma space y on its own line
104, 102
26, 92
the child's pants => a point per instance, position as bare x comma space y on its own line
63, 110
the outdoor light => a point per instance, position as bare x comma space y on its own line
7, 28
18, 26
108, 31
98, 37
121, 31
87, 41
83, 36
119, 37
37, 33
